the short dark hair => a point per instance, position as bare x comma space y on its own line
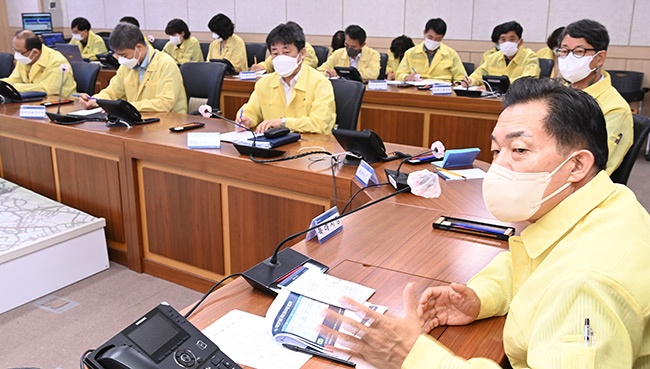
511, 26
176, 26
130, 19
125, 36
595, 33
553, 40
574, 118
338, 40
356, 33
496, 33
437, 25
286, 33
81, 24
222, 25
399, 45
32, 41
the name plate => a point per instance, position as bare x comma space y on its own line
32, 111
378, 85
441, 89
366, 174
247, 75
203, 140
328, 227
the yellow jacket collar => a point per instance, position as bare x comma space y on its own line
600, 86
551, 227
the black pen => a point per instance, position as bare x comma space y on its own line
310, 351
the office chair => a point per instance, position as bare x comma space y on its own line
85, 74
641, 130
322, 52
383, 61
159, 43
6, 64
108, 47
628, 84
347, 96
205, 48
255, 50
103, 34
546, 67
469, 68
203, 81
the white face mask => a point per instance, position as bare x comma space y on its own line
77, 36
509, 48
216, 37
575, 69
129, 63
430, 44
285, 65
515, 196
175, 39
22, 58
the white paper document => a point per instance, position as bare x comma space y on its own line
85, 113
234, 136
325, 288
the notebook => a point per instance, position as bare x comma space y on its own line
270, 143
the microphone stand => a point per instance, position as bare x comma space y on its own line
58, 109
252, 150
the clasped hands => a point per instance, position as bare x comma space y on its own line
386, 341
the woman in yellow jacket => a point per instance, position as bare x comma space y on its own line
182, 46
226, 44
398, 48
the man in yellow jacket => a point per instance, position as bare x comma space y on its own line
574, 282
38, 67
513, 60
581, 56
310, 57
295, 96
89, 43
431, 59
354, 54
148, 79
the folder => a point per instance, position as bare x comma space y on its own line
270, 143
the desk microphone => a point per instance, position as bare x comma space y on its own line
58, 117
267, 273
64, 68
252, 150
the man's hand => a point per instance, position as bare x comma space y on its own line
413, 77
257, 67
387, 341
455, 304
330, 73
390, 76
87, 102
244, 121
268, 124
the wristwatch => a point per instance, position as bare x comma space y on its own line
284, 121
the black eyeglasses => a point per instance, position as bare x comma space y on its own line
578, 52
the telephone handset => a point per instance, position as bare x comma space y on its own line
125, 357
9, 91
10, 94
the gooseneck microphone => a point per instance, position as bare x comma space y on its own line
267, 273
64, 68
250, 150
59, 118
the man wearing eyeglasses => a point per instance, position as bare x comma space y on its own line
581, 55
38, 67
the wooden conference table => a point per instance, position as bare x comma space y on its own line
403, 115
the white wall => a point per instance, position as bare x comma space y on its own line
626, 20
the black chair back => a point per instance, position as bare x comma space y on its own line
108, 46
102, 34
347, 96
6, 64
322, 52
205, 47
546, 67
383, 61
469, 68
204, 80
628, 84
641, 130
159, 43
255, 51
85, 74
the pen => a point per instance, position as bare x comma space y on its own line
452, 173
442, 175
588, 333
310, 351
79, 95
255, 58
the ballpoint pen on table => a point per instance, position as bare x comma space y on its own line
79, 95
310, 351
452, 173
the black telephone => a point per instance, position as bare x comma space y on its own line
10, 94
350, 73
122, 112
364, 144
230, 69
162, 339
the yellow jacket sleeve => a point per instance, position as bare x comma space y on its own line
161, 89
368, 64
524, 64
393, 63
234, 49
94, 46
311, 107
188, 51
43, 75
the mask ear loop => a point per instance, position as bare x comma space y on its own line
562, 188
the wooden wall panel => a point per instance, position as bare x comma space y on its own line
260, 221
394, 126
182, 219
29, 165
462, 132
92, 184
